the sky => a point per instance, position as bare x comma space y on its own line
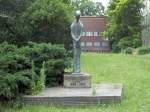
104, 2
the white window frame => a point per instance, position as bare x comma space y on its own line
88, 44
97, 44
87, 33
95, 33
91, 33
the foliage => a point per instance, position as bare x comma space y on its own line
47, 19
128, 50
88, 7
11, 25
25, 70
55, 57
143, 50
13, 8
94, 91
42, 81
35, 20
124, 28
38, 86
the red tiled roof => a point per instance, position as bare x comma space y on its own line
93, 24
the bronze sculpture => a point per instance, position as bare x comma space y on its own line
76, 33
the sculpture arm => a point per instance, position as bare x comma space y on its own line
74, 37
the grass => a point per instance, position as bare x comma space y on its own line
132, 71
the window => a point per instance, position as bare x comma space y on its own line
96, 44
88, 43
104, 44
89, 33
95, 33
82, 44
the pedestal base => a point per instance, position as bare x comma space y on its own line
104, 94
77, 80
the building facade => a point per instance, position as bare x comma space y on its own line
146, 23
92, 39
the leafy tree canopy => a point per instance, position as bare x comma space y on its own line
10, 13
88, 8
35, 20
49, 21
124, 23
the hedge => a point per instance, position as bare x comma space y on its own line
28, 69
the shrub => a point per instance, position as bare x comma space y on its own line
25, 70
7, 48
128, 50
143, 50
11, 85
125, 43
55, 57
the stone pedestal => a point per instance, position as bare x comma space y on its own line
105, 93
77, 80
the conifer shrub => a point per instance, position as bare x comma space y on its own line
28, 69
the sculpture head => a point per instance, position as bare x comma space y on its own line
77, 15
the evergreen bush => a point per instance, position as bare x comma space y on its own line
26, 70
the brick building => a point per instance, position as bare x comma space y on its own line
92, 39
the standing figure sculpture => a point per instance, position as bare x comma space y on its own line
76, 32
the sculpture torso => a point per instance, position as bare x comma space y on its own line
76, 30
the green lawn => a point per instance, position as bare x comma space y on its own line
132, 71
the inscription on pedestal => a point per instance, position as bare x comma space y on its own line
77, 81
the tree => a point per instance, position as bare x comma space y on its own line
66, 1
49, 21
10, 13
124, 24
39, 21
88, 8
13, 8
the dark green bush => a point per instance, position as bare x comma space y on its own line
55, 57
143, 50
7, 48
128, 50
125, 43
11, 85
23, 70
